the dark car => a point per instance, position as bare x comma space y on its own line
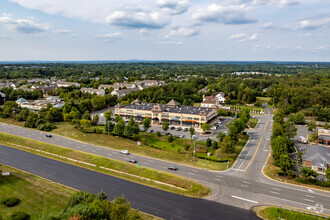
49, 135
170, 167
172, 128
150, 131
132, 160
185, 129
178, 128
167, 133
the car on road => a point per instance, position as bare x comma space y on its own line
132, 160
171, 167
49, 135
126, 152
185, 129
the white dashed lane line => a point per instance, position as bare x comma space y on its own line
274, 192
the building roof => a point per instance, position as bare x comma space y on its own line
137, 101
164, 108
2, 95
324, 137
172, 103
52, 98
21, 100
127, 91
317, 155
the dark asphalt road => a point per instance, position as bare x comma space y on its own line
156, 202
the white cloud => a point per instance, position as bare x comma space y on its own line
322, 47
23, 25
62, 31
170, 42
4, 36
243, 37
232, 14
268, 25
305, 35
144, 31
281, 47
182, 32
174, 7
110, 37
313, 24
138, 18
286, 3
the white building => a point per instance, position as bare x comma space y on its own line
99, 92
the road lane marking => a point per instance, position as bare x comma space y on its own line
248, 200
196, 171
308, 200
276, 188
254, 154
274, 192
244, 185
151, 161
110, 154
266, 125
147, 163
310, 196
191, 173
238, 170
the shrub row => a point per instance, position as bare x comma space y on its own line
312, 181
213, 159
10, 202
20, 216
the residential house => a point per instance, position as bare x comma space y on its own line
121, 93
66, 84
324, 140
317, 158
209, 101
220, 97
99, 92
204, 90
2, 98
44, 88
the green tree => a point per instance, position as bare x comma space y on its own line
307, 172
208, 142
279, 147
107, 115
95, 119
165, 125
327, 174
118, 118
227, 145
214, 146
191, 131
170, 138
326, 126
86, 116
206, 127
119, 127
85, 123
108, 126
286, 163
299, 118
146, 123
23, 115
221, 136
311, 126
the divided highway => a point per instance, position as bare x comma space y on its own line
242, 186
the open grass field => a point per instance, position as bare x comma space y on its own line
275, 213
131, 172
38, 196
264, 99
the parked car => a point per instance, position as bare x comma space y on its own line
167, 133
143, 130
172, 128
132, 160
193, 137
49, 135
150, 131
185, 129
124, 152
170, 167
178, 128
181, 136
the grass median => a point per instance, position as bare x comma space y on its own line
275, 213
146, 176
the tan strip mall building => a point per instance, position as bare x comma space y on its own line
171, 112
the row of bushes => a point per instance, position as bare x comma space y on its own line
10, 202
312, 181
225, 160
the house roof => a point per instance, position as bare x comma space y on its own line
317, 155
21, 100
137, 101
324, 137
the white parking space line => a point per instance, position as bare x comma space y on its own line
308, 200
310, 196
274, 192
248, 200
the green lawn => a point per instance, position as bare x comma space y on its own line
38, 196
275, 213
185, 186
264, 99
252, 123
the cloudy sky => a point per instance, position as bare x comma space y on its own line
218, 30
